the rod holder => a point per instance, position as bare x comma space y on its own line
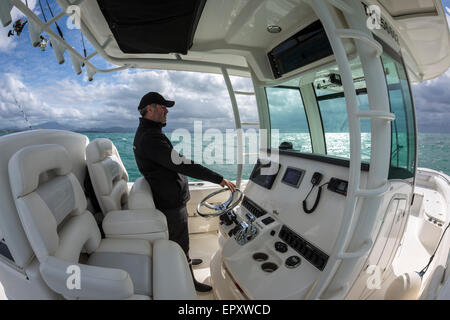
58, 49
76, 63
35, 32
90, 72
5, 12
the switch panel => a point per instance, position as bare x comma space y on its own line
251, 206
314, 255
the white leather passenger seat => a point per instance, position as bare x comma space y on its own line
128, 214
52, 210
109, 179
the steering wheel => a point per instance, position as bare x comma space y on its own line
220, 208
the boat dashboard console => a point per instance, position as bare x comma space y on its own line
270, 236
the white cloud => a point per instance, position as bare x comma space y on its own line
113, 101
431, 100
13, 93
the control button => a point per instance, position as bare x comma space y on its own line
320, 263
293, 262
268, 221
287, 238
281, 247
303, 250
295, 244
314, 259
272, 233
308, 253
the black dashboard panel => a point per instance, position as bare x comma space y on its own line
309, 45
314, 255
251, 206
264, 175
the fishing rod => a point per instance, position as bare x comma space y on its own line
56, 24
84, 47
42, 10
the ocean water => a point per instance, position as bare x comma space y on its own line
124, 144
434, 151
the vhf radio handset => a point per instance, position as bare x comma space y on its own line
315, 180
335, 185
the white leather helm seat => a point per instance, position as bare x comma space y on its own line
52, 210
128, 213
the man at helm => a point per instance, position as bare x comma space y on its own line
165, 171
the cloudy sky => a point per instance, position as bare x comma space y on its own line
51, 92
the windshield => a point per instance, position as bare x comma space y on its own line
308, 114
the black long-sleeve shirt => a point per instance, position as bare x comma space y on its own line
164, 168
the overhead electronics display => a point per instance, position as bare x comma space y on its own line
265, 174
293, 177
308, 45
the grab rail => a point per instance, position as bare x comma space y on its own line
348, 224
358, 253
361, 36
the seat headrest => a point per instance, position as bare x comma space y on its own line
99, 149
27, 164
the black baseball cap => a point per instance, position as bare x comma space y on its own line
154, 97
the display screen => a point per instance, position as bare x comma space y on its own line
309, 45
342, 186
265, 174
293, 177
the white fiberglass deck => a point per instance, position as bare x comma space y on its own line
2, 293
203, 246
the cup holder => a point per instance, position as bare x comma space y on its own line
269, 267
260, 257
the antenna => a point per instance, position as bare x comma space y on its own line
23, 113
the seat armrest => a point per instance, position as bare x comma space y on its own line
172, 279
131, 222
140, 196
94, 282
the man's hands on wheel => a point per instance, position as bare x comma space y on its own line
230, 185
